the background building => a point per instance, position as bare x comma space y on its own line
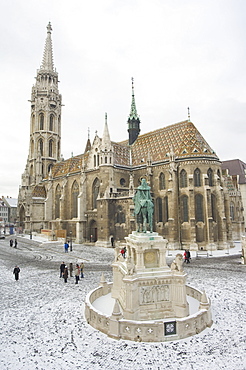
90, 196
236, 170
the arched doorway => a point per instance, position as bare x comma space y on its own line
92, 231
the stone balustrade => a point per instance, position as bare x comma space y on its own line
150, 330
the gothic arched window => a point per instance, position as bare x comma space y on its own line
162, 184
41, 147
120, 217
165, 208
210, 177
183, 179
33, 122
95, 192
32, 148
232, 211
49, 167
51, 122
159, 209
199, 207
184, 208
51, 148
74, 200
57, 201
197, 177
41, 121
213, 207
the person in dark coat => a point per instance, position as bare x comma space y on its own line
62, 268
65, 274
187, 256
11, 242
71, 269
16, 243
16, 272
82, 269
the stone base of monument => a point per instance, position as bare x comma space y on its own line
147, 301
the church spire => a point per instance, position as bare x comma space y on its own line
133, 112
106, 142
47, 63
133, 120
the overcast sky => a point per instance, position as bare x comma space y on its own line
181, 54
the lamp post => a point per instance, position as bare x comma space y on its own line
71, 247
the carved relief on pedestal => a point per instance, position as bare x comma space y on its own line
154, 294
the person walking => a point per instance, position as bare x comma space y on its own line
66, 246
76, 273
62, 268
188, 256
65, 274
11, 242
16, 272
82, 269
16, 243
71, 269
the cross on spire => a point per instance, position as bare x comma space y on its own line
188, 113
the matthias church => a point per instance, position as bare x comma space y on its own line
89, 197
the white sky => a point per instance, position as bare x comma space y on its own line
180, 53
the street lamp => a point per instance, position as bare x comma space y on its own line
71, 247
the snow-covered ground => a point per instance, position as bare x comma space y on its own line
42, 324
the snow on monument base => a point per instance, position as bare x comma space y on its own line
147, 301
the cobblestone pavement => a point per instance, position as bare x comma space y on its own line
42, 324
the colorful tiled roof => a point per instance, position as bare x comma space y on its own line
71, 165
182, 138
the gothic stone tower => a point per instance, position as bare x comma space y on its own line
45, 134
45, 126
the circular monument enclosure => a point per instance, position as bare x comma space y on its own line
147, 300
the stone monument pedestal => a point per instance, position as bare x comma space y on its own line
145, 287
148, 300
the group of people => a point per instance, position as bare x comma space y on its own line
78, 272
13, 243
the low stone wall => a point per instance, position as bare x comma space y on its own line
147, 331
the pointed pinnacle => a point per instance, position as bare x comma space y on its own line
47, 63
